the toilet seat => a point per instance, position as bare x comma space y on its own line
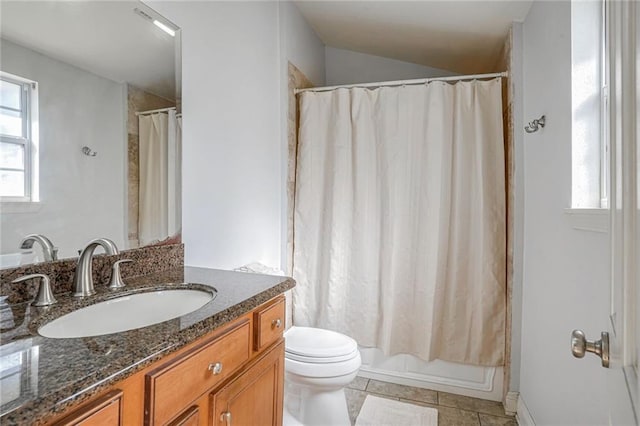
318, 343
322, 370
314, 352
320, 360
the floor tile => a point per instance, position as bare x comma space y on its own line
448, 416
472, 404
404, 392
489, 420
355, 399
359, 383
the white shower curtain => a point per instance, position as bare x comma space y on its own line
399, 227
174, 175
159, 169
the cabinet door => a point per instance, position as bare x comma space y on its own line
255, 397
190, 417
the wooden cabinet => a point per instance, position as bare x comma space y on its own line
237, 369
255, 397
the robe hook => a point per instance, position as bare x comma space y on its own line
88, 151
535, 125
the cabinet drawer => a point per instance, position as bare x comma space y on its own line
174, 385
269, 324
104, 411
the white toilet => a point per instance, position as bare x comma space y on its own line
318, 365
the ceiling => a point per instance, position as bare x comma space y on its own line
104, 37
457, 35
108, 39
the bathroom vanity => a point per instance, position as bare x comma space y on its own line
220, 364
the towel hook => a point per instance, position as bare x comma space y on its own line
88, 151
535, 125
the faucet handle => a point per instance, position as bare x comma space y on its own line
116, 278
45, 295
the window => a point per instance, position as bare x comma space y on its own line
590, 146
590, 117
18, 139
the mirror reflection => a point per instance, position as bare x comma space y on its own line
90, 128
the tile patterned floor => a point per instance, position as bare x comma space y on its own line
453, 410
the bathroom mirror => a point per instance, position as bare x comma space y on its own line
90, 126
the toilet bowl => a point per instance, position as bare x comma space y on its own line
318, 365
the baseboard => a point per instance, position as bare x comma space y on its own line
511, 403
522, 415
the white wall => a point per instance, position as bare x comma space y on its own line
346, 67
300, 45
81, 197
233, 68
232, 191
565, 270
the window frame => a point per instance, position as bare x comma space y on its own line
29, 140
605, 114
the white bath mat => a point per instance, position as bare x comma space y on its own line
380, 411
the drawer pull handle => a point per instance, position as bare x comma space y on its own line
215, 368
226, 417
276, 323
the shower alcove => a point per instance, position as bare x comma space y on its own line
470, 380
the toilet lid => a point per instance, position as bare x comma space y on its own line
310, 342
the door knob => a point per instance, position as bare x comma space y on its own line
226, 417
580, 346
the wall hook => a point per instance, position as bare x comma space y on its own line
88, 151
535, 125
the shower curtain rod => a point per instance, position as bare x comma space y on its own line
155, 110
404, 82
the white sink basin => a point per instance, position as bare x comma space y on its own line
126, 313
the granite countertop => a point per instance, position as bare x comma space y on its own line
40, 376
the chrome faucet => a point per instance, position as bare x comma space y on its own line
83, 280
50, 252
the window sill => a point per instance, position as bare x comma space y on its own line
590, 220
13, 207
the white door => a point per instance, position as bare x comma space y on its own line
618, 346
